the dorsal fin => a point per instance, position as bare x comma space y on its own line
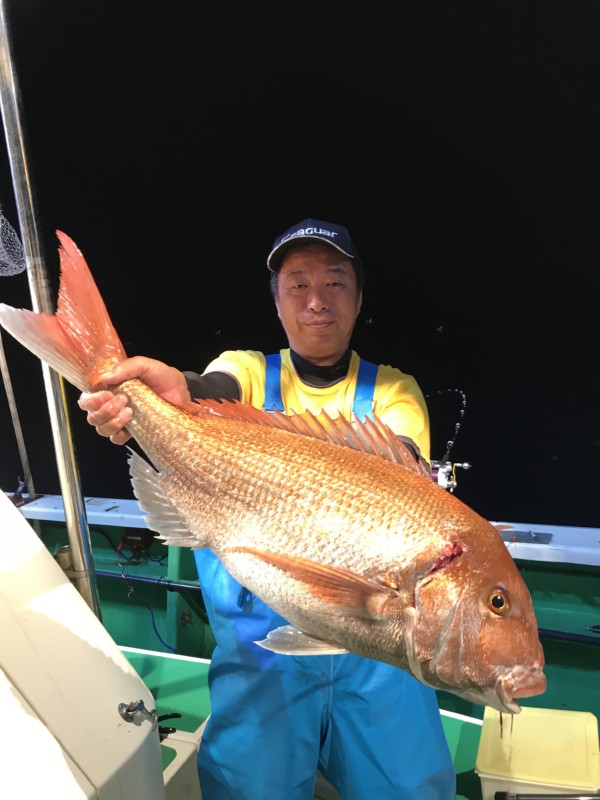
371, 436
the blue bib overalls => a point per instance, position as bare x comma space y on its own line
372, 729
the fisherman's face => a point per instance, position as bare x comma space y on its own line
317, 301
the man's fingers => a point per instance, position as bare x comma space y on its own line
107, 423
120, 438
108, 413
92, 401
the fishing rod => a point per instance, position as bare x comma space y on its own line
82, 565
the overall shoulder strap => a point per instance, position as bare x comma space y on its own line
363, 393
365, 389
273, 399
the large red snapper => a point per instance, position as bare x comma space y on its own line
331, 524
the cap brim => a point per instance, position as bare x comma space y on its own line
277, 253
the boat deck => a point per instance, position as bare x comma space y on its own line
179, 685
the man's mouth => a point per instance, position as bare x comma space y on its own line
324, 323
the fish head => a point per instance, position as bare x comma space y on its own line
474, 632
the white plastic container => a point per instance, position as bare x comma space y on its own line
62, 682
539, 750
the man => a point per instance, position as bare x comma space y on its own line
372, 729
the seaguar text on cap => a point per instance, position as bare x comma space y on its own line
311, 232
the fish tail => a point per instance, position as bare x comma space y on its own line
78, 340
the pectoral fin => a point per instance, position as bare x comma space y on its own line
161, 515
290, 641
334, 585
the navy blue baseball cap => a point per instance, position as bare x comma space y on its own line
316, 230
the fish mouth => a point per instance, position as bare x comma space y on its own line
527, 682
494, 697
503, 695
519, 683
504, 702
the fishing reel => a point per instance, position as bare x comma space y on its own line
444, 473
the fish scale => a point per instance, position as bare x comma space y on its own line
248, 478
330, 522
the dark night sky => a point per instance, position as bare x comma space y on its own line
459, 142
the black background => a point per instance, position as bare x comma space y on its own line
457, 140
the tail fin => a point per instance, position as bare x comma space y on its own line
79, 340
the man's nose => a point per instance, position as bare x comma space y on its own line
316, 300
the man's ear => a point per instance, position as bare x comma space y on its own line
359, 302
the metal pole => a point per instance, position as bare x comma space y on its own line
75, 516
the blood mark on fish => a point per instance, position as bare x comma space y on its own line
450, 552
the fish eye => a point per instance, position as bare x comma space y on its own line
498, 602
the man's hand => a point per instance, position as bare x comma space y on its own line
107, 410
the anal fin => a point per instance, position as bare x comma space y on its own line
291, 641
